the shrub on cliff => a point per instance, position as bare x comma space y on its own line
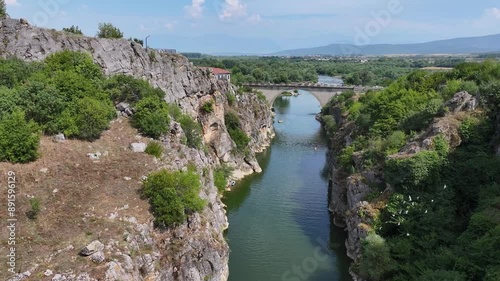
125, 88
151, 117
107, 30
221, 175
78, 62
233, 125
192, 130
3, 10
173, 196
19, 139
92, 118
73, 29
376, 261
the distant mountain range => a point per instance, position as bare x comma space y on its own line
468, 45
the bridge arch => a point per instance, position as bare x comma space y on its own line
322, 93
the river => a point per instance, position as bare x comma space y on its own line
279, 224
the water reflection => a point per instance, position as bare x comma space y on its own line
279, 219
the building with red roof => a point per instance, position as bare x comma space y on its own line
221, 74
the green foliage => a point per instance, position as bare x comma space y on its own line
152, 117
155, 149
44, 105
233, 125
73, 29
71, 61
330, 124
345, 158
125, 88
376, 261
139, 41
9, 100
107, 30
208, 107
415, 171
3, 10
193, 131
92, 117
221, 174
35, 209
19, 139
14, 71
231, 99
173, 196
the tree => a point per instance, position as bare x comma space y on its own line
3, 10
73, 29
152, 117
107, 30
92, 117
173, 195
19, 139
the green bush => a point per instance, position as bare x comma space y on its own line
345, 158
78, 62
92, 117
155, 149
125, 88
208, 107
107, 30
221, 174
9, 100
231, 99
173, 196
240, 138
192, 130
376, 259
415, 171
73, 29
35, 209
19, 139
330, 124
394, 142
152, 117
44, 105
14, 71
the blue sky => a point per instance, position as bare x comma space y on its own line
262, 26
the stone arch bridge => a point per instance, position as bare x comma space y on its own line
323, 93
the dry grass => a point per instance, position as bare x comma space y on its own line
77, 196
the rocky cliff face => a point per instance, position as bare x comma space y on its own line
348, 193
197, 250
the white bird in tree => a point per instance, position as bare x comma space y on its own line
445, 186
409, 196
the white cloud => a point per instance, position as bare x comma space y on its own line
12, 3
195, 10
233, 9
255, 18
488, 20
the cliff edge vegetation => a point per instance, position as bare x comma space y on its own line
415, 175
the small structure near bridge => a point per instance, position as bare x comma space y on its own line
221, 74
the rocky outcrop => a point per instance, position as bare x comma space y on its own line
195, 251
348, 193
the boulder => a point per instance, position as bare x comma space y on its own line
97, 257
122, 106
59, 138
92, 248
462, 101
138, 147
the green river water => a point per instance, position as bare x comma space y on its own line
279, 224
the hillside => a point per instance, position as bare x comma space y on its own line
414, 175
468, 45
78, 118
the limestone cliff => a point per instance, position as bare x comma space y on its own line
197, 250
348, 192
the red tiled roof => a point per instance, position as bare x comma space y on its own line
217, 71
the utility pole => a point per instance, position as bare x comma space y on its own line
146, 40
